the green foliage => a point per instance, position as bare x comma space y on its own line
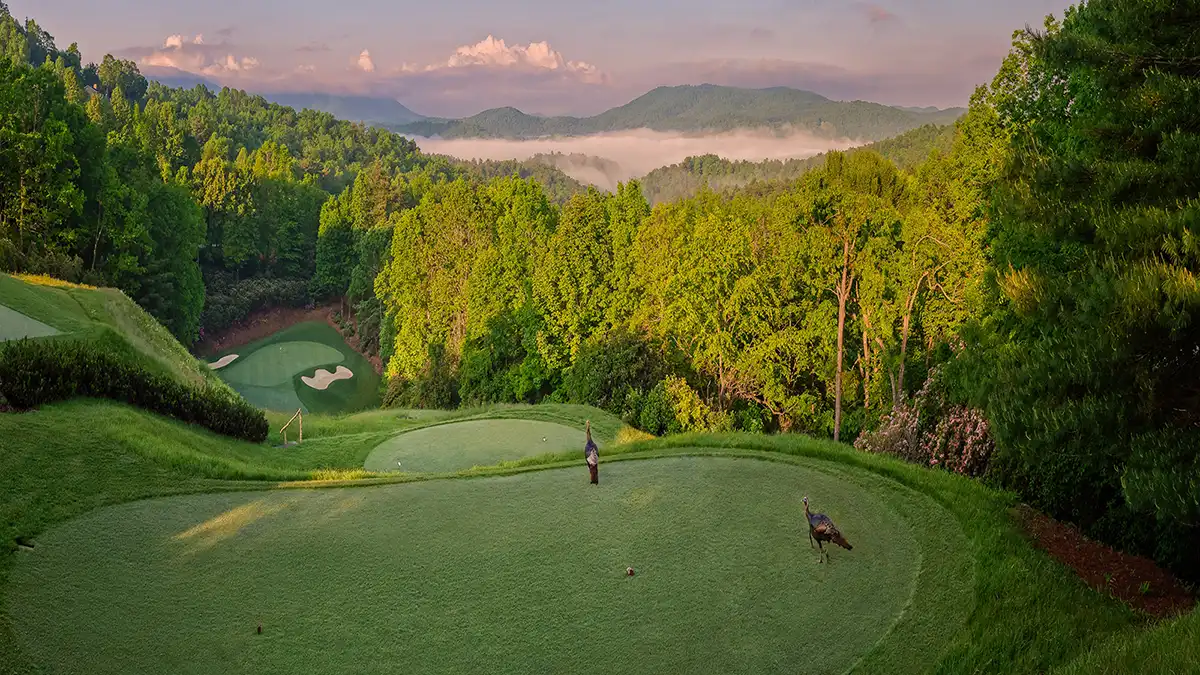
1080, 364
685, 179
611, 367
503, 365
231, 301
34, 373
545, 169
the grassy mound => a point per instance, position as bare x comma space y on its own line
107, 318
512, 568
463, 444
269, 373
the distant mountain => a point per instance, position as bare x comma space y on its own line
368, 110
699, 109
178, 79
685, 179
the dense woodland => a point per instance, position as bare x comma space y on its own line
1019, 305
685, 179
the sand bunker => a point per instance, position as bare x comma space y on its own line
323, 378
223, 361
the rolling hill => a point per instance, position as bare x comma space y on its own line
365, 109
702, 108
684, 179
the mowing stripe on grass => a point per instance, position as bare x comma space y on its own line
15, 326
516, 572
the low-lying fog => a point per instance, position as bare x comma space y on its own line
633, 154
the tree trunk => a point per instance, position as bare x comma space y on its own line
866, 364
903, 351
843, 295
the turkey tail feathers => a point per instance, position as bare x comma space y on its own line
838, 539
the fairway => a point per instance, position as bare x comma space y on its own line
308, 365
518, 574
15, 326
462, 445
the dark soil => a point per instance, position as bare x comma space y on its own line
1107, 570
268, 322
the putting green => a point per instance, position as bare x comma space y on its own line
271, 373
462, 445
15, 326
523, 573
277, 364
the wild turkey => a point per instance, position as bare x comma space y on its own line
822, 529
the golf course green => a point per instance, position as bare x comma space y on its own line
15, 326
463, 444
289, 370
523, 573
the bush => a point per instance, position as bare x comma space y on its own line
607, 368
34, 373
228, 302
933, 432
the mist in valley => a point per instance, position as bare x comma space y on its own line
604, 160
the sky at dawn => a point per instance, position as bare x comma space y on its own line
457, 58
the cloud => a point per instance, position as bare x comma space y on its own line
365, 63
492, 54
762, 34
633, 154
193, 55
313, 48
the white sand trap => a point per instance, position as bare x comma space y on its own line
323, 378
223, 361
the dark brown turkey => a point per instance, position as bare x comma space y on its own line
821, 529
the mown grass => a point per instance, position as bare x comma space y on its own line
110, 319
277, 386
1028, 615
432, 577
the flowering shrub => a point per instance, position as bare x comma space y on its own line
930, 431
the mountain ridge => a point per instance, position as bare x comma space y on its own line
705, 108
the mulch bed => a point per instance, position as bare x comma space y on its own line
268, 322
1107, 570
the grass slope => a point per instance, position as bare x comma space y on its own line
700, 108
1024, 613
268, 372
109, 318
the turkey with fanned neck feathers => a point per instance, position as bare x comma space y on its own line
821, 529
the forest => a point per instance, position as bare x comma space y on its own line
1019, 305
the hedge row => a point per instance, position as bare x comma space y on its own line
227, 303
34, 373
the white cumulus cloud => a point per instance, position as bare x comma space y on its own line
492, 53
365, 63
192, 55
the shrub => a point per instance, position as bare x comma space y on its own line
34, 373
934, 432
228, 302
608, 367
